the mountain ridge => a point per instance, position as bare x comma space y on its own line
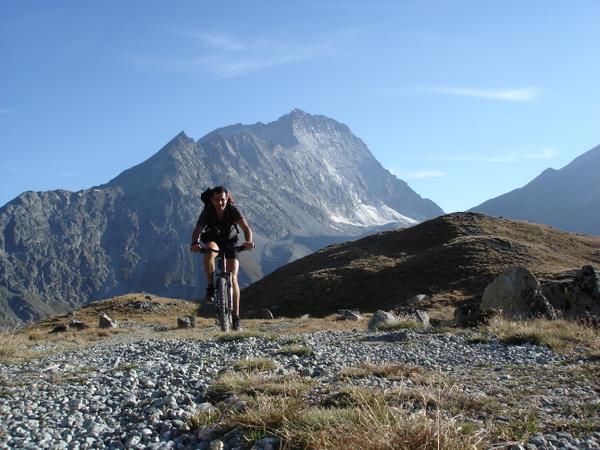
61, 249
566, 198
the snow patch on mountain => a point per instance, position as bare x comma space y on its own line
369, 215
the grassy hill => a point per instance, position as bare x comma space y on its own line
451, 259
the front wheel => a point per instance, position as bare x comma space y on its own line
222, 304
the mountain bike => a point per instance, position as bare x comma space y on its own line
223, 287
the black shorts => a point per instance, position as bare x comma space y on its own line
230, 253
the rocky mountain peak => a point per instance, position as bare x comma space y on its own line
287, 131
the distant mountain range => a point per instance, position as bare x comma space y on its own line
568, 198
449, 259
303, 181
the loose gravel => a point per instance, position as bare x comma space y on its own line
134, 392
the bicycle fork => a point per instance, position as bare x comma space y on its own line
229, 293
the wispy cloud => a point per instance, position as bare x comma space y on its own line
419, 174
216, 41
546, 153
234, 67
228, 56
513, 95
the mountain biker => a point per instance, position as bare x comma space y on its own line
217, 228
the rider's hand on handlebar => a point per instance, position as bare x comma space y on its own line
195, 248
249, 245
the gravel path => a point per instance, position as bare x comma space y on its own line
128, 392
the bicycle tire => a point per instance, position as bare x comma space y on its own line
222, 303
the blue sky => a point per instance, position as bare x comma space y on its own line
465, 100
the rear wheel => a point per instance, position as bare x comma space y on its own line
222, 303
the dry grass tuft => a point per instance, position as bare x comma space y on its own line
82, 337
253, 384
9, 347
204, 419
16, 348
245, 334
302, 415
520, 427
331, 322
560, 335
391, 371
402, 324
445, 396
255, 365
295, 349
371, 424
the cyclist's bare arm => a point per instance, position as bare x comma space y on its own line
247, 233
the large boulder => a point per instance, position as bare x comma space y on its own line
583, 295
578, 297
517, 294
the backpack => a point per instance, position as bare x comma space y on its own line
206, 197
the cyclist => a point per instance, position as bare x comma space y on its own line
217, 228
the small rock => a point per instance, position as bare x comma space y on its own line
130, 402
106, 322
217, 444
419, 298
537, 439
186, 322
267, 442
381, 318
60, 328
265, 314
133, 441
350, 314
206, 408
418, 315
78, 324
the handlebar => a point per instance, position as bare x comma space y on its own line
236, 248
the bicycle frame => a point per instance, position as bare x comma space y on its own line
223, 289
228, 304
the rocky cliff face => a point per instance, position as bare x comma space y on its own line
302, 181
567, 198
